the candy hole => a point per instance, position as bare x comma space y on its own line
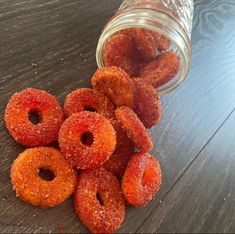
144, 178
100, 198
46, 174
89, 108
147, 175
34, 117
87, 138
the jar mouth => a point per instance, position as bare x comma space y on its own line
156, 21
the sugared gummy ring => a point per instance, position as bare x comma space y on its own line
99, 201
142, 179
116, 84
87, 139
120, 51
124, 149
134, 128
147, 103
34, 190
161, 70
45, 106
86, 99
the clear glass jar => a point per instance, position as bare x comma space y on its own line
171, 18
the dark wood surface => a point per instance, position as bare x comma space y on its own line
194, 141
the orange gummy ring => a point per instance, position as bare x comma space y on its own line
99, 201
116, 84
142, 179
31, 188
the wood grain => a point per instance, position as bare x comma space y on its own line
60, 37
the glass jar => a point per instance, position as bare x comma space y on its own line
171, 18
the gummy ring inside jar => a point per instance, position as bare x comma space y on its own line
134, 128
87, 139
147, 103
145, 44
120, 51
31, 188
99, 201
116, 84
86, 99
124, 149
142, 179
161, 70
40, 103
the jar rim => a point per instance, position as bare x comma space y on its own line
155, 21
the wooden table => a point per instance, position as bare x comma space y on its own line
194, 141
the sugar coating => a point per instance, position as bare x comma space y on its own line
99, 218
162, 43
120, 51
38, 192
84, 99
116, 84
17, 117
147, 42
142, 179
81, 155
134, 128
143, 42
161, 70
147, 103
124, 149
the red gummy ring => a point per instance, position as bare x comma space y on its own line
147, 41
147, 103
145, 44
31, 188
87, 139
134, 128
85, 99
124, 149
17, 113
120, 51
161, 70
116, 84
142, 179
99, 201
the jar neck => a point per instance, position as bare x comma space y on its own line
155, 21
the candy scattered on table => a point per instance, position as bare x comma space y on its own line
104, 134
